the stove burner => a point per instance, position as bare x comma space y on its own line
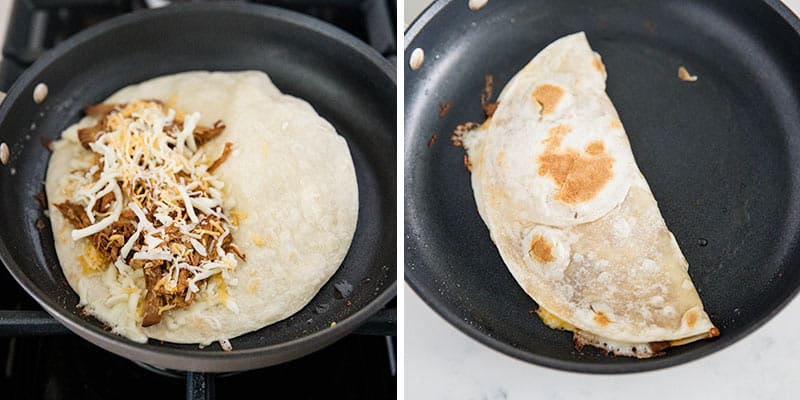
171, 373
38, 25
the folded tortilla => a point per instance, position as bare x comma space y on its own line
574, 220
289, 182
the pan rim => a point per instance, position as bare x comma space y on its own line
436, 304
189, 358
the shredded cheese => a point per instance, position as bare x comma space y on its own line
198, 247
149, 160
90, 230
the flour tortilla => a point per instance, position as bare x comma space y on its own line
290, 174
574, 220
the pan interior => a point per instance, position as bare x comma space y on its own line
721, 154
346, 84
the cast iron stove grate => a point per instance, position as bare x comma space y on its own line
41, 360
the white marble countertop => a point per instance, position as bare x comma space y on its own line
443, 363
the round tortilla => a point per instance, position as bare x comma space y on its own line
290, 178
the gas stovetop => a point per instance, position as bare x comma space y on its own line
38, 25
41, 360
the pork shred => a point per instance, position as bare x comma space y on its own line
444, 108
224, 156
110, 240
203, 135
104, 203
41, 198
487, 105
160, 297
457, 138
102, 109
162, 293
152, 302
89, 135
74, 213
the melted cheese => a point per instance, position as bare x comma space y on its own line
91, 260
638, 350
552, 321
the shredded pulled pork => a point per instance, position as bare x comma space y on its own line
203, 135
150, 202
74, 213
110, 240
488, 106
224, 156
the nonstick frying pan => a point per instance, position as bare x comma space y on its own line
347, 82
722, 156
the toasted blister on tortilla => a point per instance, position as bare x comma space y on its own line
574, 220
289, 194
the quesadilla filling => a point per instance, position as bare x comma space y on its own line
583, 338
151, 206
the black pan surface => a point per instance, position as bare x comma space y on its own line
722, 156
347, 82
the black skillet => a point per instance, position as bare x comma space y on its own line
347, 82
722, 156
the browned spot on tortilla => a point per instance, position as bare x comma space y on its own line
548, 97
579, 176
713, 332
595, 148
541, 249
597, 64
555, 135
691, 319
601, 319
616, 124
467, 164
